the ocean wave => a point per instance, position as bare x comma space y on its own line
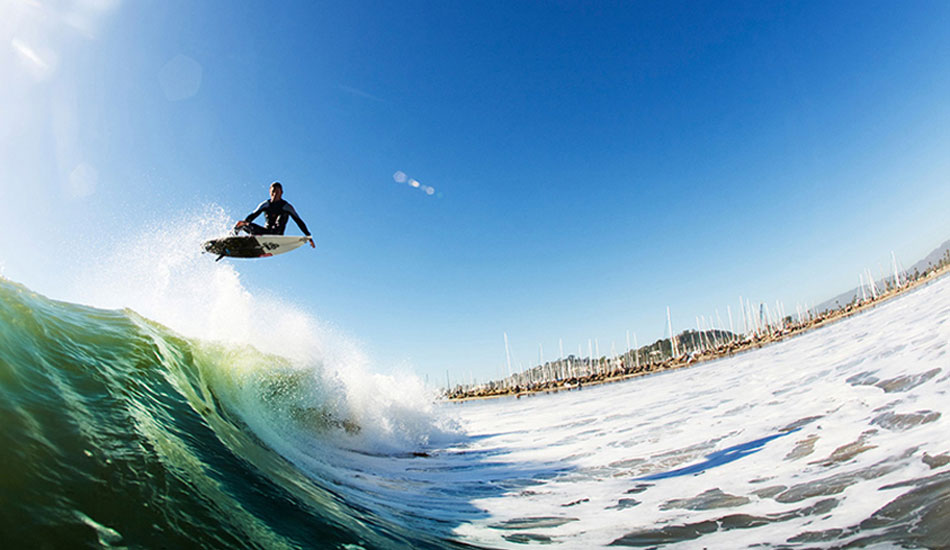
118, 429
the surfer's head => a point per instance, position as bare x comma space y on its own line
276, 190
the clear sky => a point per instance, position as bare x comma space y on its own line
590, 163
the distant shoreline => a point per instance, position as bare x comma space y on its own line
730, 349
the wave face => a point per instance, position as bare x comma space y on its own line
117, 431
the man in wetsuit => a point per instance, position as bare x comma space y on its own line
276, 211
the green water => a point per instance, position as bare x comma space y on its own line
119, 433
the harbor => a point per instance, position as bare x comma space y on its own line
759, 326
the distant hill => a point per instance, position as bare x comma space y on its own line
931, 258
846, 297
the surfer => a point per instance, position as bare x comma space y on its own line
276, 211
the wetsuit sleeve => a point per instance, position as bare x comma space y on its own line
260, 208
293, 214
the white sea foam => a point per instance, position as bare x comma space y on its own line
843, 416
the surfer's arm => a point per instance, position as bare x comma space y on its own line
260, 208
293, 214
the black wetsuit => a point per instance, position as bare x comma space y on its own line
275, 213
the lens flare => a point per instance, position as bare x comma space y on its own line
402, 177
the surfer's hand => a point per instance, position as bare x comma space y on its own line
312, 245
240, 223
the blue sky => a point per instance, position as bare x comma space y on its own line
592, 163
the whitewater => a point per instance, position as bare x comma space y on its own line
145, 412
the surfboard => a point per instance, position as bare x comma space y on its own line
254, 246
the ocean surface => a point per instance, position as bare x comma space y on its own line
119, 431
